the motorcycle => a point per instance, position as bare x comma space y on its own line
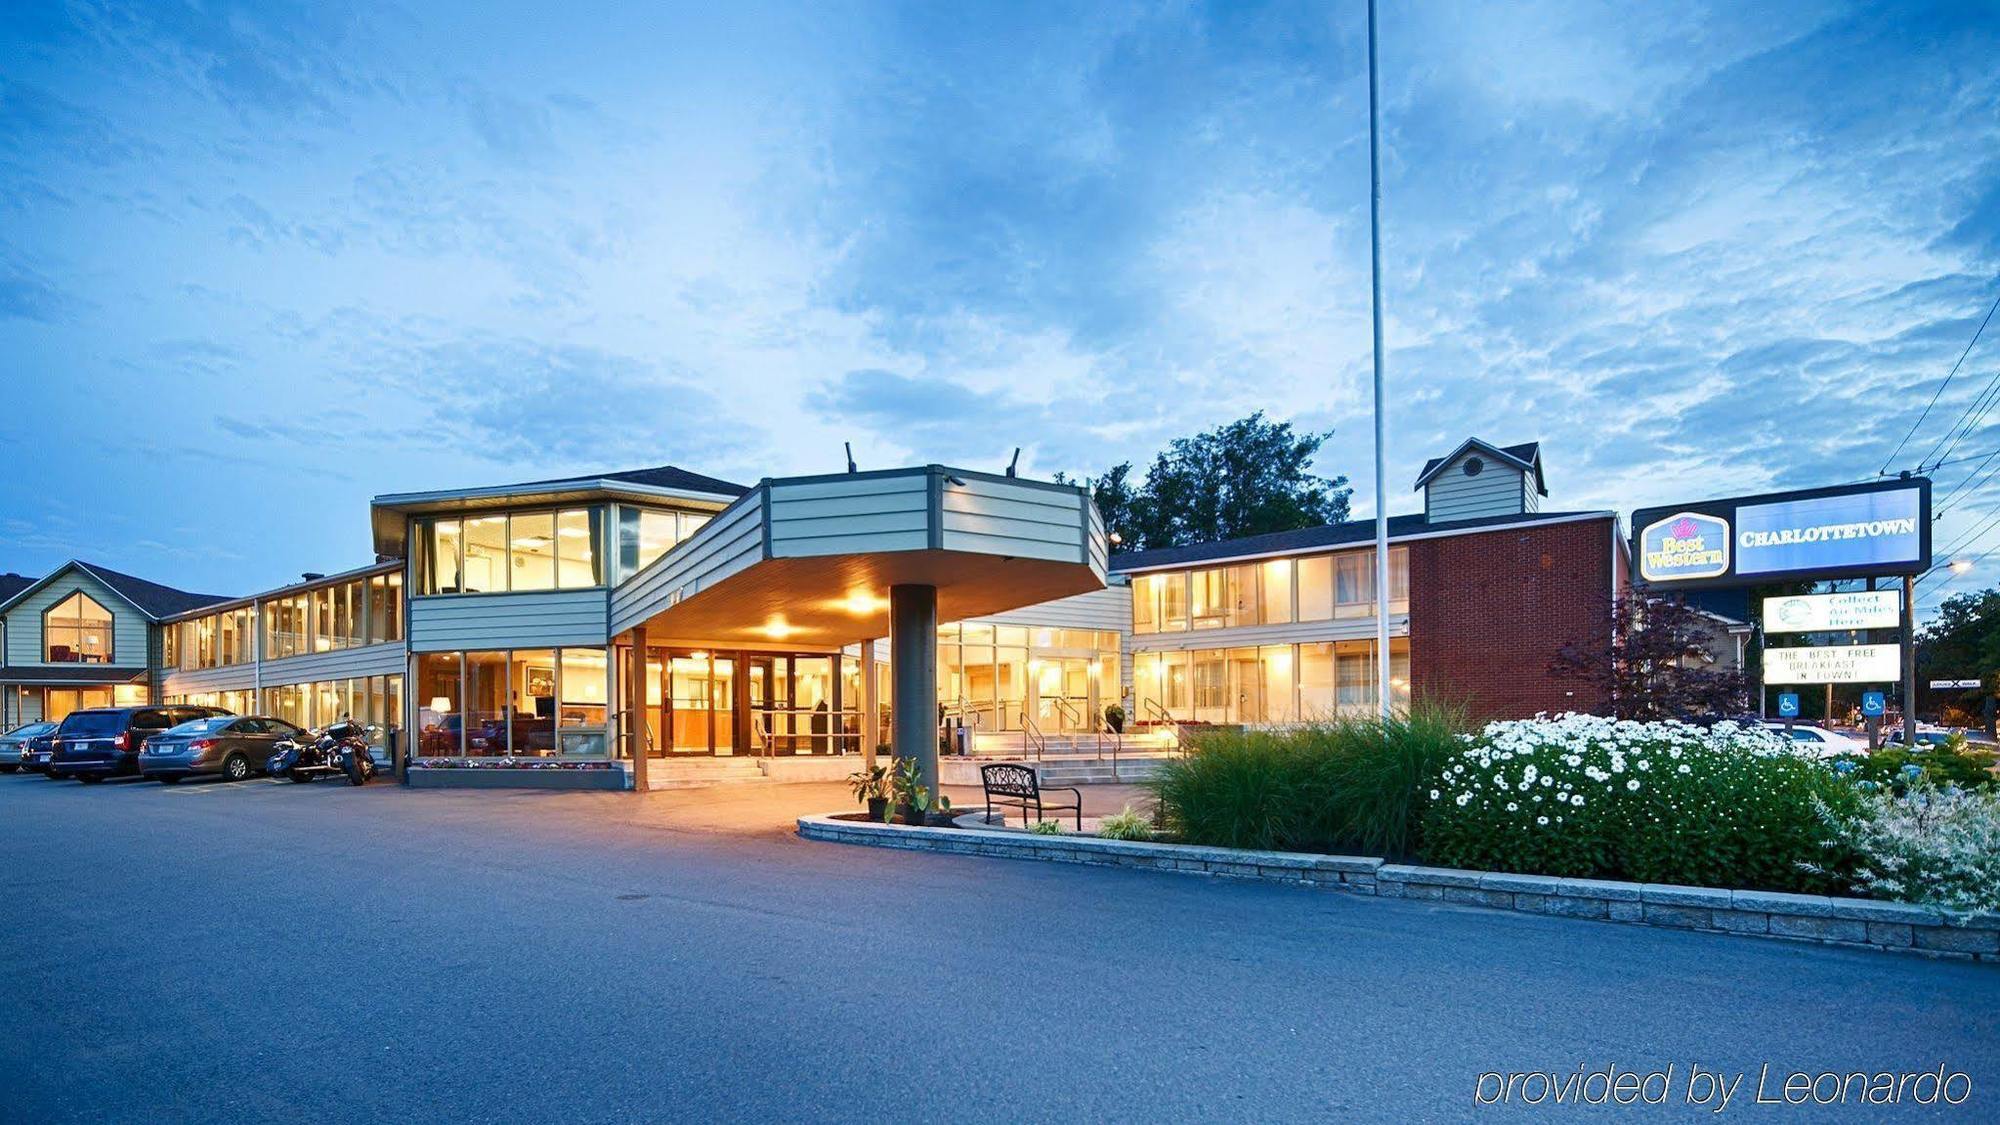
340, 749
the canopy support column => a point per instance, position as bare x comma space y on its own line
913, 659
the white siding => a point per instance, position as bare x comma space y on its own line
341, 664
451, 622
1531, 497
851, 516
236, 677
1496, 491
130, 631
1109, 608
728, 544
1011, 518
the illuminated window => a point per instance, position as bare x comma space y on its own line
77, 630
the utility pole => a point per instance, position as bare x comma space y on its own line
1382, 689
1910, 661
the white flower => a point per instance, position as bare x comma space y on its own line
1683, 768
1464, 799
1513, 807
1633, 785
1541, 820
1434, 794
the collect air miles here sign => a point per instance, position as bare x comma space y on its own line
1848, 532
1821, 613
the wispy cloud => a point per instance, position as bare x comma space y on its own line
1706, 249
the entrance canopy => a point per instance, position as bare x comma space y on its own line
809, 561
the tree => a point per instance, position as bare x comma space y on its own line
1249, 477
1652, 663
1962, 642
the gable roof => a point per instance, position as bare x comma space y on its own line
1526, 457
149, 598
1353, 533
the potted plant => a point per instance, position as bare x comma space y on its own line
913, 798
871, 787
1114, 719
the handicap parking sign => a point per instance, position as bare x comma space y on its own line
1788, 705
1871, 704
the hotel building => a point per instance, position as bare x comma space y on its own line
619, 624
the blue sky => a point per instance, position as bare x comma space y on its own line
259, 261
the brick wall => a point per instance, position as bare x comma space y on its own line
1488, 611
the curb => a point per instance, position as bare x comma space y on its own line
1857, 923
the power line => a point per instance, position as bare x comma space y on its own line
1935, 395
1975, 415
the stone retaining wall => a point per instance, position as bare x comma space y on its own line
1840, 921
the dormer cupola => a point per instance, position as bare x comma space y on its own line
1479, 479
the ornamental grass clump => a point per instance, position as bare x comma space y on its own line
1337, 785
1933, 845
1659, 802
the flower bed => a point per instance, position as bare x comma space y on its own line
1590, 797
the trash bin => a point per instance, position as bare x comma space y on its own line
961, 740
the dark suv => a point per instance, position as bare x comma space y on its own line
104, 741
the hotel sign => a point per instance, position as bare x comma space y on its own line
1854, 531
1833, 664
1823, 613
1682, 546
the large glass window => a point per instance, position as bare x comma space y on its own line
57, 703
1316, 588
385, 608
77, 630
576, 549
581, 681
533, 539
1354, 584
531, 703
1246, 596
1208, 598
501, 552
285, 627
1270, 684
440, 705
484, 569
644, 534
1274, 576
443, 558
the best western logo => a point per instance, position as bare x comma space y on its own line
1684, 545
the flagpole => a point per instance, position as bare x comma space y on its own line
1382, 686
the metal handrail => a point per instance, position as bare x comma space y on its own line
835, 735
1157, 713
1031, 737
645, 732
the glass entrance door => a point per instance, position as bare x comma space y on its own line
1062, 693
701, 704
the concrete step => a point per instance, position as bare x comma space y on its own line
700, 773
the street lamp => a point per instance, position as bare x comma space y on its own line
1960, 566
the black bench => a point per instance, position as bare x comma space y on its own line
1018, 787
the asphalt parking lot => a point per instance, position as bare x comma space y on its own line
270, 951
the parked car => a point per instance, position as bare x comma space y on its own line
1928, 738
37, 751
234, 747
14, 751
104, 742
1826, 743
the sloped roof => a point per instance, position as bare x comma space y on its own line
1351, 533
1526, 457
150, 598
12, 584
660, 476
